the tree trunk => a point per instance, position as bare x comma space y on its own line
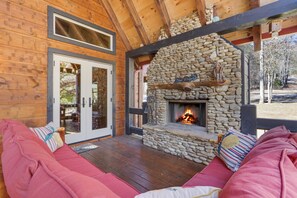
269, 87
261, 73
286, 70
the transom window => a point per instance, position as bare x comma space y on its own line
68, 28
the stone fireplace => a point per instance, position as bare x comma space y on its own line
194, 92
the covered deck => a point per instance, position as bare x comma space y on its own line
142, 167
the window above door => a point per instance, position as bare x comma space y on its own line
67, 28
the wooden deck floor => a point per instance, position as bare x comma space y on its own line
143, 167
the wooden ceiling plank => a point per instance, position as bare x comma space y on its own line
164, 15
250, 18
116, 23
137, 22
201, 8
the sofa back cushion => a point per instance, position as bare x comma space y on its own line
31, 170
268, 170
12, 128
19, 162
53, 180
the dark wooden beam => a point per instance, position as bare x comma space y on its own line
257, 37
116, 23
200, 4
257, 16
137, 22
164, 15
265, 123
257, 30
267, 35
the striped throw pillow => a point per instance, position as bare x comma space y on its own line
234, 147
46, 134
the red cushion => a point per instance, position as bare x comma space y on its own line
277, 132
118, 186
53, 180
65, 152
15, 128
274, 140
20, 161
215, 174
267, 171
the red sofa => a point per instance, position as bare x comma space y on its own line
30, 169
269, 169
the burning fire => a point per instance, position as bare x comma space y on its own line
187, 118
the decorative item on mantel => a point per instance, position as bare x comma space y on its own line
218, 73
187, 86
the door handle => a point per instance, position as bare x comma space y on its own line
83, 102
90, 102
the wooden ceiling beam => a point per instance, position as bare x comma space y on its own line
164, 15
116, 23
267, 35
137, 22
257, 30
250, 18
201, 9
257, 37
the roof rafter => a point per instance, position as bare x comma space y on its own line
200, 4
164, 15
250, 18
116, 23
137, 22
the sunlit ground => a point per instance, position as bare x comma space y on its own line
286, 111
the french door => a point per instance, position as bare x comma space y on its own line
82, 92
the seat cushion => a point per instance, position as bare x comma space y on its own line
215, 174
68, 158
65, 152
118, 186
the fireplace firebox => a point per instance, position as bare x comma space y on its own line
187, 112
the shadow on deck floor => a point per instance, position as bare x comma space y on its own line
143, 167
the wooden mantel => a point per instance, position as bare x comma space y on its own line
188, 86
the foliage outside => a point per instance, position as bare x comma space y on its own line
279, 76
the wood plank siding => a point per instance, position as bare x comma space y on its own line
23, 56
142, 167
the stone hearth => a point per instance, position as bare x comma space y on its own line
202, 69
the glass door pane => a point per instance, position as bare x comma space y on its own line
99, 98
70, 112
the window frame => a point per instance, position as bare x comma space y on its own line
54, 13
